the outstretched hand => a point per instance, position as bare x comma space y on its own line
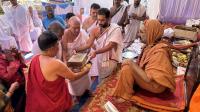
74, 52
92, 54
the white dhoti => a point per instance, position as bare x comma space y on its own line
107, 68
35, 33
94, 71
25, 43
8, 42
19, 20
35, 25
107, 62
118, 16
77, 87
132, 29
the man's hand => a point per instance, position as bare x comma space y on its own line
134, 16
92, 54
74, 52
86, 68
13, 87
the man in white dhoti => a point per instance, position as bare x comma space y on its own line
56, 28
6, 39
36, 24
118, 13
20, 23
136, 14
74, 38
91, 21
107, 39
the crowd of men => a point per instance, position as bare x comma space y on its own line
103, 35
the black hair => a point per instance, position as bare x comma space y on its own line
46, 40
69, 15
105, 12
95, 6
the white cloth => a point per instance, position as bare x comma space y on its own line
169, 32
20, 23
78, 87
6, 40
79, 41
36, 49
134, 26
107, 62
36, 25
94, 25
35, 33
118, 16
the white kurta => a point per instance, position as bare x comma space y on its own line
132, 28
20, 23
6, 39
36, 26
78, 87
107, 62
118, 16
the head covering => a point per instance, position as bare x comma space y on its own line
154, 31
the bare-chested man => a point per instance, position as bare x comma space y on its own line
74, 38
91, 21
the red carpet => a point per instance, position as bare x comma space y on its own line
167, 101
103, 94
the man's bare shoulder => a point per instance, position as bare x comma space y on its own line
66, 34
96, 29
56, 63
95, 32
86, 20
66, 31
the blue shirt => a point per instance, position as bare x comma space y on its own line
46, 21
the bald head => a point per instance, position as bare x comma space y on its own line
74, 25
56, 28
74, 20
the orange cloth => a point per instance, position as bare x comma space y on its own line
154, 31
195, 101
155, 61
